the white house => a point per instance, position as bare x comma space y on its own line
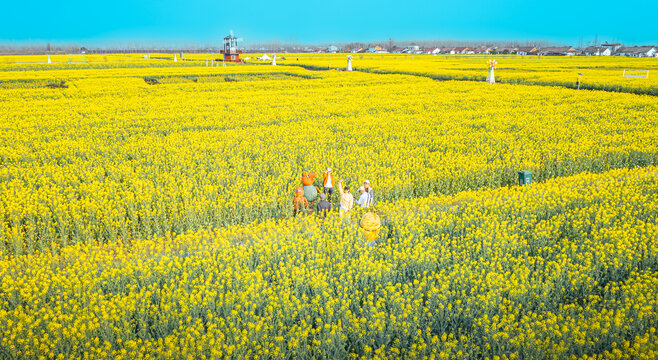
526, 50
459, 50
609, 49
637, 51
377, 50
558, 51
592, 51
597, 51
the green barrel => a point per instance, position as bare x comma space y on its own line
525, 177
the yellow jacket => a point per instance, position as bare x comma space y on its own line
346, 200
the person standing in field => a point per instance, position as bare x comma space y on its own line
371, 198
364, 198
328, 182
323, 206
346, 199
299, 202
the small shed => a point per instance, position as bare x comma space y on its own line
231, 52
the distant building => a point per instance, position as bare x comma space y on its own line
231, 52
505, 51
483, 50
637, 51
377, 49
611, 47
434, 51
332, 49
459, 50
413, 49
526, 50
558, 51
592, 51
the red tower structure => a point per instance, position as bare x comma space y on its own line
231, 52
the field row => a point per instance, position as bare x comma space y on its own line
600, 73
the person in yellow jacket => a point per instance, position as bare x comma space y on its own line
328, 182
346, 199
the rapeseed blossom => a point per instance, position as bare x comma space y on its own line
114, 157
562, 269
601, 73
144, 213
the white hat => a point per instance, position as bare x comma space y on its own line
362, 188
367, 182
328, 169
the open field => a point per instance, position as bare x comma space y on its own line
112, 156
602, 73
550, 271
599, 72
145, 211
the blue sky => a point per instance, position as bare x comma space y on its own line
171, 22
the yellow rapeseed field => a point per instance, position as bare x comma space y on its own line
558, 270
108, 155
145, 211
598, 72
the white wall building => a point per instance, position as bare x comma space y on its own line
637, 51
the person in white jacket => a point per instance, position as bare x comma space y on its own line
364, 198
368, 189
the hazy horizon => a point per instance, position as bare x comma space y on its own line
205, 23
